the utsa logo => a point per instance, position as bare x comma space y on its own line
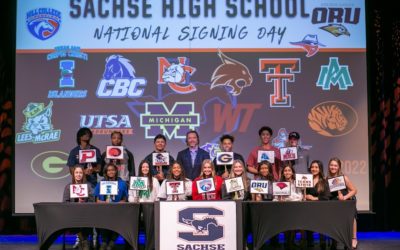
231, 73
336, 29
310, 44
43, 23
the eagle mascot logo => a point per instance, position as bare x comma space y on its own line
231, 73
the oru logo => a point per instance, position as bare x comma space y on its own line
204, 226
50, 165
332, 119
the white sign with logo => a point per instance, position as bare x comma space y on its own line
175, 187
108, 187
78, 191
234, 184
266, 156
188, 225
160, 159
138, 183
259, 187
304, 180
205, 185
289, 153
281, 188
224, 158
337, 183
115, 152
87, 156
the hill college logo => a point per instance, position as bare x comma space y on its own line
332, 119
43, 23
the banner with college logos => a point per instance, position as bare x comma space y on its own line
197, 225
300, 67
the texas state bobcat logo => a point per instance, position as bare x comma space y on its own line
332, 119
231, 73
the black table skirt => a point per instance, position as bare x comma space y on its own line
332, 218
53, 218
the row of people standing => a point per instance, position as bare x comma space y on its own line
193, 164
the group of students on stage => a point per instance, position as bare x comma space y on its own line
193, 164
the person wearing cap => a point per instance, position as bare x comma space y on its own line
265, 134
303, 156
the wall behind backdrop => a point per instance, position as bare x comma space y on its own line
384, 72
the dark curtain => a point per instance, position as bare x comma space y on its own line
383, 43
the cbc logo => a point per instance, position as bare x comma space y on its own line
50, 165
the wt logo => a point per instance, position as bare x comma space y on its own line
334, 74
67, 78
279, 71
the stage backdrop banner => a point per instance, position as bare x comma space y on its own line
198, 225
151, 67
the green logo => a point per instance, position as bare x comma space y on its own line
50, 165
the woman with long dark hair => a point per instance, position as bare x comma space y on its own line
153, 188
176, 173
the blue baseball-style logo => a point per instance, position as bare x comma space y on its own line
67, 74
43, 23
204, 229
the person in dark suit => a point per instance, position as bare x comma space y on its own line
192, 157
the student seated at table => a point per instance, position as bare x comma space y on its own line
110, 174
319, 192
153, 188
264, 173
79, 177
176, 173
207, 171
335, 170
288, 174
238, 170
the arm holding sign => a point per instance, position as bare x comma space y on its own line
352, 190
252, 161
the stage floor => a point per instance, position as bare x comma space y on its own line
367, 241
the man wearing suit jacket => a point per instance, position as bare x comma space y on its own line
192, 157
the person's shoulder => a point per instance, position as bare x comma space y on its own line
75, 149
183, 151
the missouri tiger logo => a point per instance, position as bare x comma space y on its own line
332, 119
231, 73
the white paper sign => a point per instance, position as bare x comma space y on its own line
115, 152
288, 154
78, 191
337, 183
205, 185
175, 187
266, 156
160, 159
304, 180
224, 158
197, 225
108, 187
234, 184
259, 186
138, 183
281, 188
87, 156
